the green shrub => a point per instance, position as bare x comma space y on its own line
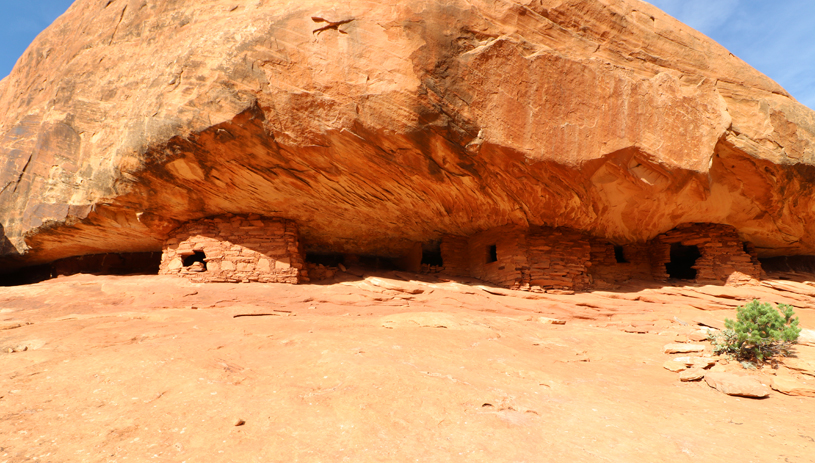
759, 332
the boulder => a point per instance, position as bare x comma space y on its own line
376, 126
732, 384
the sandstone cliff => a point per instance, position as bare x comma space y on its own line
378, 125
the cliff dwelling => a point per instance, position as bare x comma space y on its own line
564, 260
235, 249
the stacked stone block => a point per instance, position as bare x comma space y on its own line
605, 271
511, 253
236, 249
724, 257
558, 258
455, 254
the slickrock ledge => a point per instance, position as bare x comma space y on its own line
377, 126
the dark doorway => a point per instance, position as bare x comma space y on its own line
619, 255
492, 253
197, 257
432, 258
682, 259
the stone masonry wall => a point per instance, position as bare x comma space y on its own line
236, 249
723, 257
559, 259
508, 269
455, 255
606, 272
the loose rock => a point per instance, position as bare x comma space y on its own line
735, 385
682, 348
551, 321
673, 366
9, 325
698, 336
694, 374
696, 362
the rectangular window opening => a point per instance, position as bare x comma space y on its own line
619, 255
492, 253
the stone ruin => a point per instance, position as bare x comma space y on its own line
564, 260
555, 260
235, 249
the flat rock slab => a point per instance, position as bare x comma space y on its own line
710, 322
696, 362
793, 387
673, 366
802, 366
742, 386
10, 325
698, 336
807, 336
679, 348
551, 321
694, 374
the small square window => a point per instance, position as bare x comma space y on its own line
492, 253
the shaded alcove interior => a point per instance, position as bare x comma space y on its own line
196, 256
802, 264
683, 258
133, 263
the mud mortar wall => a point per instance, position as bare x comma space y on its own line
606, 271
236, 249
723, 257
510, 251
558, 259
455, 255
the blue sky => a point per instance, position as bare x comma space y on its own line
775, 37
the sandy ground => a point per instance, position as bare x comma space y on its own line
386, 368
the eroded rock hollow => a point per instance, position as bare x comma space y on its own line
379, 127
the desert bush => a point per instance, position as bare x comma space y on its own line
759, 332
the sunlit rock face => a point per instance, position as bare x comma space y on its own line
378, 125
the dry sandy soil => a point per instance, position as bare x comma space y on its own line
390, 367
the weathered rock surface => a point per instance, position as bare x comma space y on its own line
693, 374
732, 384
682, 348
377, 125
158, 368
802, 366
791, 386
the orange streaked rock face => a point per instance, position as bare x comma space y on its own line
375, 126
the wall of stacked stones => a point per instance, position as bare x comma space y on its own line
547, 258
606, 271
559, 258
723, 255
237, 249
455, 254
511, 253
